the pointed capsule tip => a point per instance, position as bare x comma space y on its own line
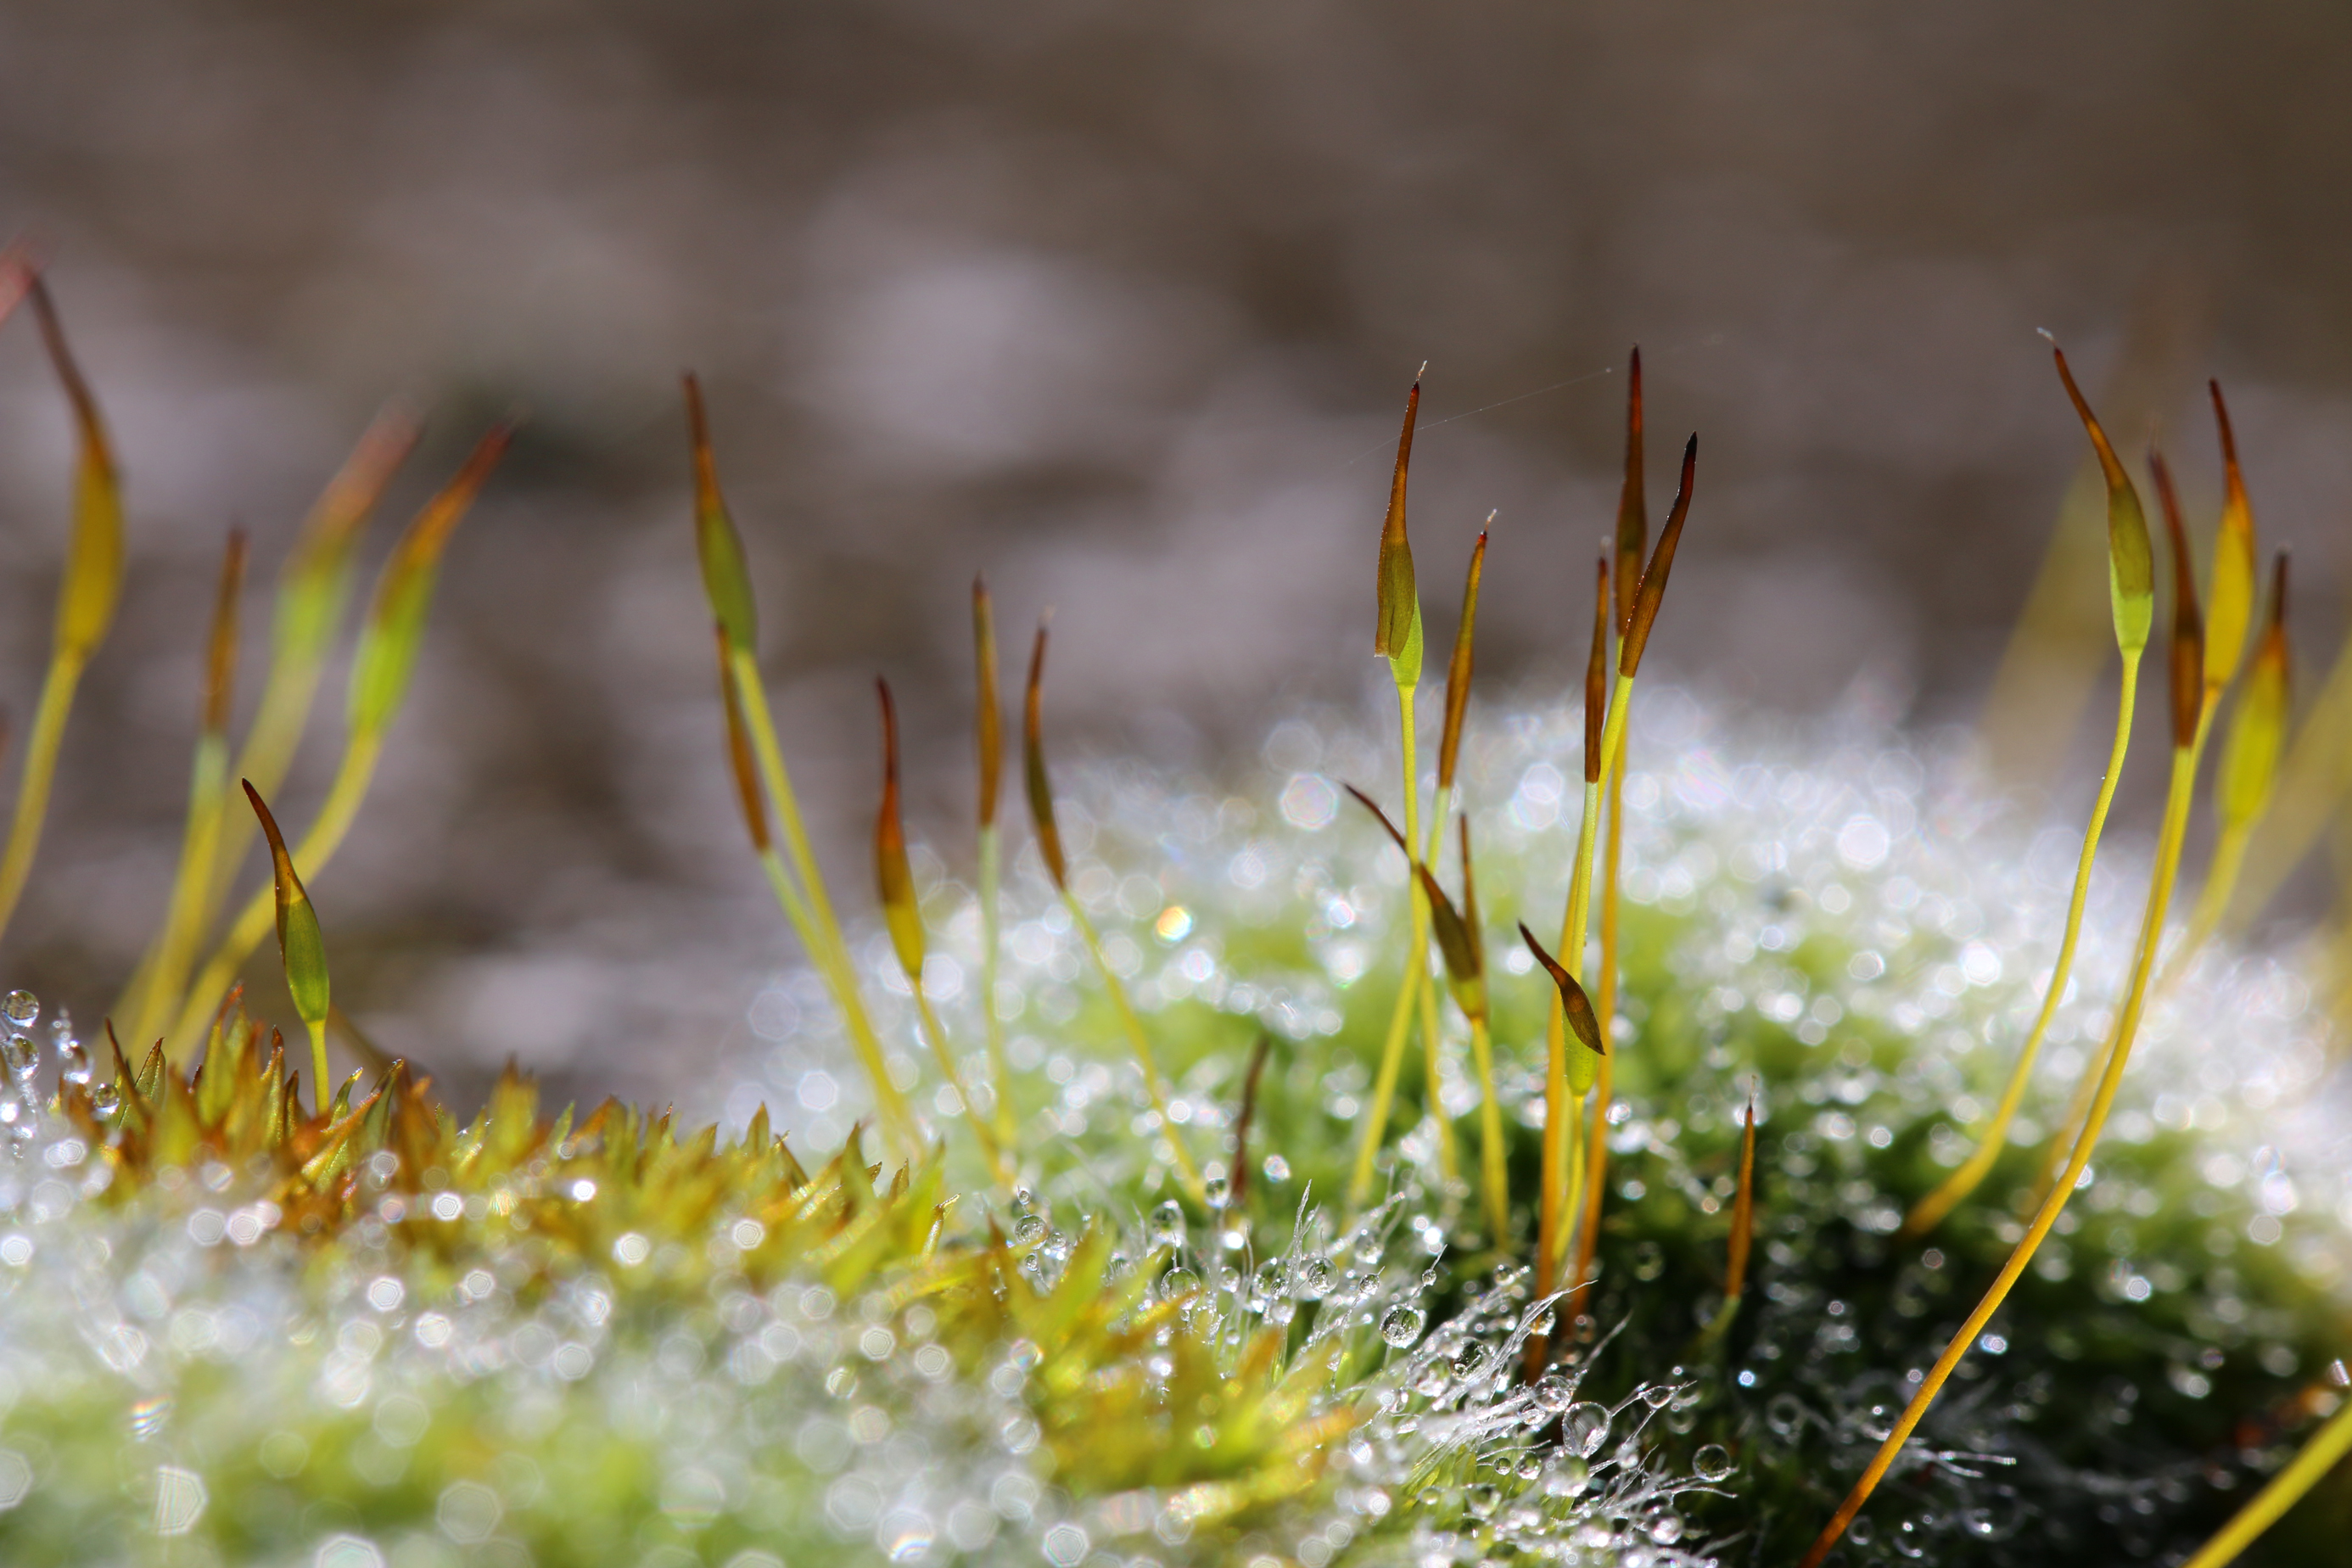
1380, 816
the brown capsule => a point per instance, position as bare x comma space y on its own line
1596, 676
1464, 965
1633, 504
2131, 562
1470, 901
1459, 670
220, 662
1743, 1211
2230, 597
1652, 590
894, 879
1041, 790
92, 586
726, 579
1258, 1053
1382, 818
1400, 604
988, 716
2188, 651
739, 749
1573, 1002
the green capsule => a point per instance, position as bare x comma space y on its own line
2131, 560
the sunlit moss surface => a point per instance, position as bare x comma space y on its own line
232, 1332
1085, 1228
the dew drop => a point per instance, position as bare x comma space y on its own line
1218, 1191
1567, 1477
1168, 1224
18, 1009
21, 1058
1402, 1325
1585, 1427
1031, 1228
1712, 1463
1313, 1281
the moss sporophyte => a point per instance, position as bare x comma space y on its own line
1135, 1242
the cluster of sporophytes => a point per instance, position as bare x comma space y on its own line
1769, 1142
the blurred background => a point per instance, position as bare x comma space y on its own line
1118, 302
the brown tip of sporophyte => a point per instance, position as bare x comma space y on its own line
1258, 1054
1573, 1002
1596, 675
1463, 965
1459, 670
726, 579
300, 944
1399, 603
2109, 464
220, 661
1041, 790
1382, 818
2188, 651
2275, 630
1632, 503
988, 717
1652, 589
738, 748
1743, 1211
2230, 477
2131, 563
894, 879
1470, 899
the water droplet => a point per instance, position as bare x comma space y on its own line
1658, 1396
1567, 1477
19, 1009
21, 1058
1276, 1168
1168, 1224
1178, 1283
1554, 1393
1313, 1281
1218, 1191
1585, 1427
1030, 1228
1470, 1362
1712, 1463
1666, 1529
1402, 1326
